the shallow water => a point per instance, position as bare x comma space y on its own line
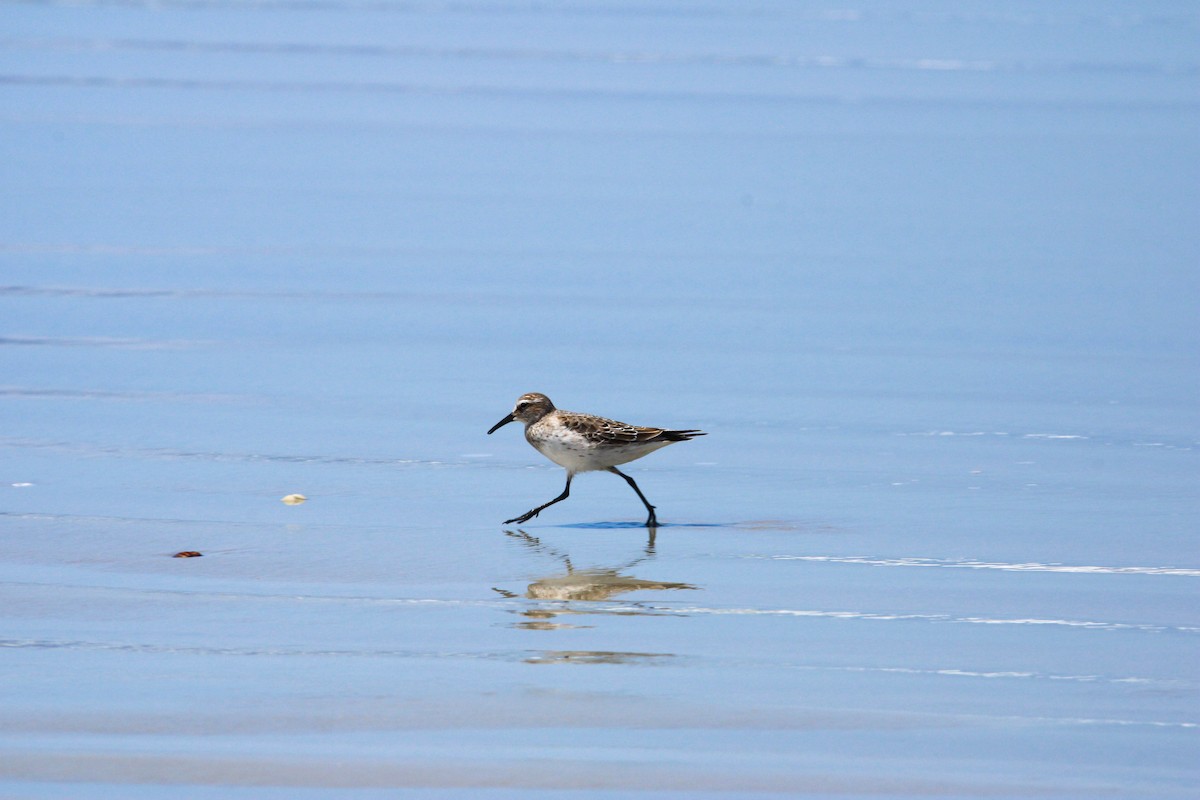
926, 275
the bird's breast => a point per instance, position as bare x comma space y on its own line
565, 447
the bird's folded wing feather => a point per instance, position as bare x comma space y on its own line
611, 431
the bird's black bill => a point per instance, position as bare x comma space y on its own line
500, 424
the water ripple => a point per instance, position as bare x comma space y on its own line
167, 453
634, 93
97, 341
100, 394
1034, 16
555, 55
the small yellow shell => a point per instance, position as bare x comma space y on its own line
293, 499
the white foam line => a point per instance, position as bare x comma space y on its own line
1090, 721
954, 433
1079, 569
996, 433
946, 618
1053, 436
1013, 675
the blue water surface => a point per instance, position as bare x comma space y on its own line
925, 272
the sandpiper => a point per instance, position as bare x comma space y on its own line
585, 442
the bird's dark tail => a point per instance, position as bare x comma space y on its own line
681, 436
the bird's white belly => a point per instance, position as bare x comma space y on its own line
574, 453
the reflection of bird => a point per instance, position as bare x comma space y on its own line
594, 583
595, 657
583, 442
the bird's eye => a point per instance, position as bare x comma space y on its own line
522, 406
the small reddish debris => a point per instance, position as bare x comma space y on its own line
187, 554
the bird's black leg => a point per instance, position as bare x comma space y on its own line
652, 521
528, 515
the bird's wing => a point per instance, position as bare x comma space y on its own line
600, 430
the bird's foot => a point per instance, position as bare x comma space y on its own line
528, 515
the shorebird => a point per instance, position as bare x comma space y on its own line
585, 442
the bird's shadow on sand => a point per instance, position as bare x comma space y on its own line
621, 525
778, 525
